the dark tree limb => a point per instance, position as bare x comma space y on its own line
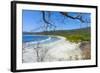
78, 16
49, 24
44, 17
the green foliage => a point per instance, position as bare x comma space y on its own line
73, 35
78, 37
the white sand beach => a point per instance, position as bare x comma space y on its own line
60, 50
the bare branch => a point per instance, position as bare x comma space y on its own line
49, 24
78, 17
44, 17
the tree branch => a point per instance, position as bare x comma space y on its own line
49, 24
78, 17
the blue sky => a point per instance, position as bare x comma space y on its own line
32, 20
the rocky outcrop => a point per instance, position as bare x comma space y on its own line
86, 50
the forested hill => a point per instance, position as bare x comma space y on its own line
82, 30
82, 34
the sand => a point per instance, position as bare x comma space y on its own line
61, 50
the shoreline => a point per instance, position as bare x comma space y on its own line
50, 51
